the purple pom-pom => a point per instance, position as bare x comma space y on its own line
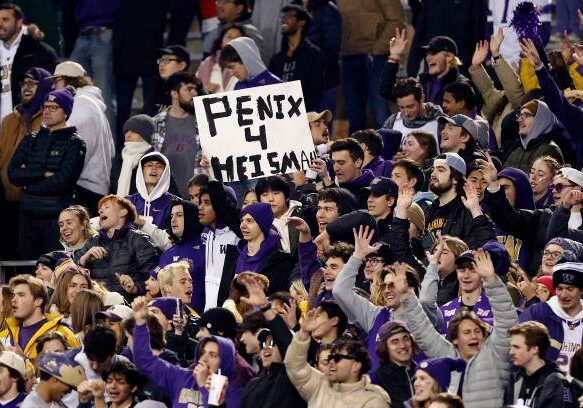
526, 23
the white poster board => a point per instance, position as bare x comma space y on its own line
255, 132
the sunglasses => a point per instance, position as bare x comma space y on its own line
559, 187
338, 357
267, 343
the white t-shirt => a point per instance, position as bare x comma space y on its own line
6, 60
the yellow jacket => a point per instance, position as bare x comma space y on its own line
11, 333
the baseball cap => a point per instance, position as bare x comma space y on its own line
462, 121
157, 157
63, 368
383, 185
70, 69
14, 361
573, 175
441, 43
314, 116
453, 160
466, 256
115, 313
263, 335
391, 328
178, 50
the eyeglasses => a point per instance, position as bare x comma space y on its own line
552, 254
51, 108
338, 357
29, 83
166, 60
524, 115
374, 260
559, 187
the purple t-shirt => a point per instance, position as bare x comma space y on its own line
26, 333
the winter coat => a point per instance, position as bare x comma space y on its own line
30, 53
462, 20
61, 152
530, 226
360, 310
473, 231
88, 116
129, 252
179, 383
487, 373
319, 392
366, 25
558, 225
155, 205
396, 381
547, 390
9, 336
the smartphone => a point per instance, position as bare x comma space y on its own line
179, 308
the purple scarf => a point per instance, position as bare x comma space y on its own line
252, 263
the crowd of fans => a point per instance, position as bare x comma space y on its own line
434, 262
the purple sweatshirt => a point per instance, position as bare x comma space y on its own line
482, 308
178, 383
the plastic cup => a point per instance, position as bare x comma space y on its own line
217, 383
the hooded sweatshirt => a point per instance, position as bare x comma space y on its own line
257, 72
189, 246
156, 205
524, 200
179, 383
216, 240
88, 116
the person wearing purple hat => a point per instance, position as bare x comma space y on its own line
433, 376
258, 251
218, 214
456, 211
47, 164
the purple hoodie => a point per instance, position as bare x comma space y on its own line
178, 383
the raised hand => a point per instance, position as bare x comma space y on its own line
305, 235
362, 239
310, 321
398, 43
488, 169
434, 257
496, 41
319, 166
255, 291
529, 51
127, 283
140, 308
480, 53
484, 265
289, 314
471, 201
401, 285
405, 197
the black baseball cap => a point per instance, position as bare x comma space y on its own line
178, 50
383, 185
441, 43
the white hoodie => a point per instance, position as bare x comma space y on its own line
88, 116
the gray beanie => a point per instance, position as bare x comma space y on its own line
142, 125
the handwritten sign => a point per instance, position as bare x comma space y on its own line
255, 132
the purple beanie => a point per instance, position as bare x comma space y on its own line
167, 305
262, 214
440, 369
63, 98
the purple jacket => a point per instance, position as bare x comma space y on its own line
482, 308
178, 383
264, 78
380, 167
309, 262
193, 250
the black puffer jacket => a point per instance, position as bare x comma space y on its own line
129, 252
61, 152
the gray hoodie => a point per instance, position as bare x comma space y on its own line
544, 122
249, 53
